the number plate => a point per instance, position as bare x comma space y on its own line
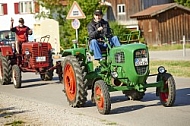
141, 61
41, 59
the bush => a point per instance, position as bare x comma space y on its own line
119, 30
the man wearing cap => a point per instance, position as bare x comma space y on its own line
98, 28
21, 32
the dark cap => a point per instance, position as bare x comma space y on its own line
21, 20
98, 11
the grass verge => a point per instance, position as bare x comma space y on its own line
176, 68
15, 123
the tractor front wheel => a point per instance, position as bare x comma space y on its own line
167, 97
102, 97
74, 81
16, 76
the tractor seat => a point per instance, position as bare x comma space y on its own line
103, 49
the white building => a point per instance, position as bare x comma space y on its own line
27, 9
17, 9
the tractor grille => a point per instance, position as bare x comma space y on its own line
120, 57
141, 61
141, 69
40, 50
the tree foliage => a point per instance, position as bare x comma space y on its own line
183, 2
59, 12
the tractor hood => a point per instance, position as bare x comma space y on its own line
131, 61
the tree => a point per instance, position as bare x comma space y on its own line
183, 2
59, 12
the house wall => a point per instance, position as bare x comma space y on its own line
48, 27
132, 7
166, 28
30, 21
173, 25
149, 30
5, 19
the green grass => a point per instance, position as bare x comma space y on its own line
111, 123
15, 123
168, 47
176, 68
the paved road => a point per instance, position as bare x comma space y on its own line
170, 55
147, 112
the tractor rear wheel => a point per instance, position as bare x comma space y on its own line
5, 70
102, 97
167, 98
42, 76
16, 76
75, 87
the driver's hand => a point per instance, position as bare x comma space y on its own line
12, 20
30, 32
100, 28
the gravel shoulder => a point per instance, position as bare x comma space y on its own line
33, 113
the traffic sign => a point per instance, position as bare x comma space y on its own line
75, 12
75, 24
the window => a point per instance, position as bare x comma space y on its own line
26, 7
121, 12
3, 9
121, 9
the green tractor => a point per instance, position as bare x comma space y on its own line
125, 68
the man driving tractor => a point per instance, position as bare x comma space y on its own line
22, 33
98, 28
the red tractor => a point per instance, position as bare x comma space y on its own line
34, 57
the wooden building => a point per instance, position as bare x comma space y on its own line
120, 10
164, 24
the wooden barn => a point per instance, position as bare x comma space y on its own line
121, 10
164, 24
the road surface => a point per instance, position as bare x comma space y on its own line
147, 112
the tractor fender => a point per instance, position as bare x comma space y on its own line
6, 51
49, 46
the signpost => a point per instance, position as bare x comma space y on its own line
75, 13
76, 24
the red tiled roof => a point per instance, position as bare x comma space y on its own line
157, 9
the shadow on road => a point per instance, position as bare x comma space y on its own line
125, 109
182, 97
41, 83
8, 112
34, 85
31, 80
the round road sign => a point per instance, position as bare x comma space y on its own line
75, 23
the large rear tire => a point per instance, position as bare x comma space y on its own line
16, 76
167, 98
75, 87
102, 97
5, 70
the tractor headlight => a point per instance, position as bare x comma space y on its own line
114, 74
161, 70
27, 52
